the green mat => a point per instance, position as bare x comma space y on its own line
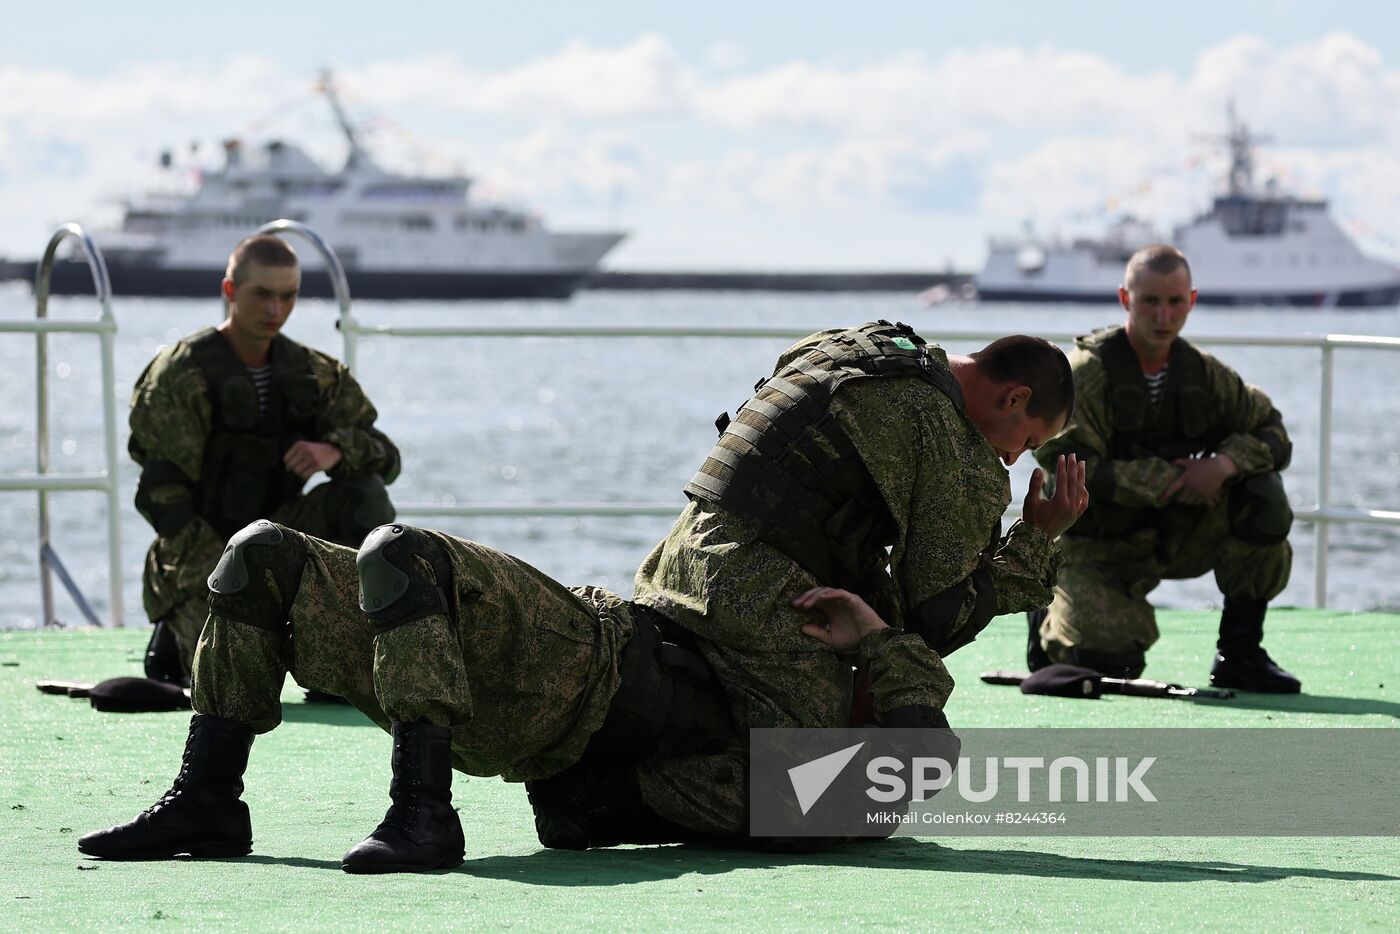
318, 784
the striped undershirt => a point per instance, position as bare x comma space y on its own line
262, 379
1156, 384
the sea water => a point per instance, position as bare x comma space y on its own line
519, 420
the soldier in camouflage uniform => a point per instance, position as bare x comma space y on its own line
872, 462
1183, 460
228, 424
627, 720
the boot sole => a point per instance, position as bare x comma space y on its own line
197, 850
445, 865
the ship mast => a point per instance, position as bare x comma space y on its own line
327, 87
1241, 143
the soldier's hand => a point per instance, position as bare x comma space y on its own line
849, 619
1057, 513
1202, 480
306, 458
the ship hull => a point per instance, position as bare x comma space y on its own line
1378, 297
70, 278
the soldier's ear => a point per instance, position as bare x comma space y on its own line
228, 290
1017, 397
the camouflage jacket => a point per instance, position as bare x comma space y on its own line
946, 490
1249, 429
171, 421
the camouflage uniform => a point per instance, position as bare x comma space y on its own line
525, 672
947, 570
174, 426
1128, 541
520, 668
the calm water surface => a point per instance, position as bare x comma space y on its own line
519, 420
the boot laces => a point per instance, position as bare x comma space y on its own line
404, 814
176, 787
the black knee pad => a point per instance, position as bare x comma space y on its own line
405, 576
1259, 510
239, 588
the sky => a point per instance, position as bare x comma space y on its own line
726, 135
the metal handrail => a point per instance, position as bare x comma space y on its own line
1322, 516
339, 283
105, 327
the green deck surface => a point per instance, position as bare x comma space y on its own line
319, 783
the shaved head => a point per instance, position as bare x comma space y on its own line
262, 249
1162, 259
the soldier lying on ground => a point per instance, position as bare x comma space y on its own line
869, 462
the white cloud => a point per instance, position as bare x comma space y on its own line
1012, 88
1076, 184
869, 172
556, 163
643, 78
727, 55
987, 135
1334, 91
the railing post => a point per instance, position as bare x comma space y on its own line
1322, 528
48, 558
109, 442
42, 278
339, 283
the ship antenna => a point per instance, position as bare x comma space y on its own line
1241, 158
327, 87
1242, 144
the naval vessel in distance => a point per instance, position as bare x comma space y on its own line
398, 236
1256, 245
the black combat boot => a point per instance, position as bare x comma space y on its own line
1240, 660
597, 802
421, 831
201, 814
163, 662
1036, 658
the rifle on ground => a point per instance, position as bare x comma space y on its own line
1135, 687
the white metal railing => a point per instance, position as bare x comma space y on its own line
1322, 516
105, 327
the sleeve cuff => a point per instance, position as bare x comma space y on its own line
1030, 542
873, 645
1251, 456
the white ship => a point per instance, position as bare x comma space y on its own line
398, 236
1255, 246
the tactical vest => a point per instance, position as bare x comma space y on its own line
786, 465
1181, 424
242, 477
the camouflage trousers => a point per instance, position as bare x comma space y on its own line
176, 568
1101, 594
520, 668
